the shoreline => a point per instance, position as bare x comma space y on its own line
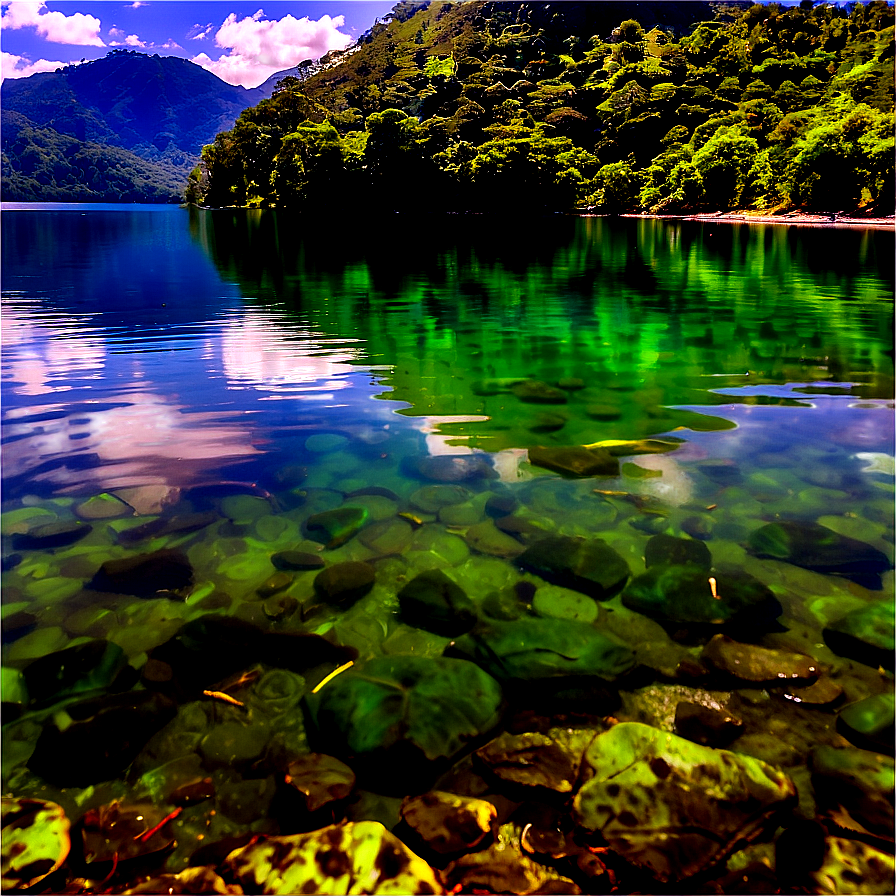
799, 218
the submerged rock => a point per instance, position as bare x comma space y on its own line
505, 868
297, 560
432, 498
759, 664
51, 535
857, 781
818, 548
447, 823
574, 460
159, 574
345, 583
335, 527
587, 565
434, 602
706, 725
537, 392
320, 780
174, 525
672, 807
677, 551
550, 760
487, 538
332, 860
685, 597
870, 722
531, 649
101, 507
866, 634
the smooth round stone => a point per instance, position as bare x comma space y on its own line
101, 507
335, 527
345, 583
460, 514
537, 392
244, 567
499, 505
52, 535
244, 508
749, 662
542, 423
603, 412
571, 383
431, 498
387, 537
866, 634
487, 538
270, 528
296, 560
562, 603
324, 442
274, 584
93, 621
669, 549
435, 602
434, 540
378, 507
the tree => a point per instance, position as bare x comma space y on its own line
724, 163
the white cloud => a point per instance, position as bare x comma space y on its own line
20, 67
77, 29
259, 48
200, 32
136, 4
171, 44
133, 41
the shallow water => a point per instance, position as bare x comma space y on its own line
264, 370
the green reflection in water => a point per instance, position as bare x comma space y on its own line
629, 317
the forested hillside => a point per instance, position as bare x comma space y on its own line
659, 107
128, 127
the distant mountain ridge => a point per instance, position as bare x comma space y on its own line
127, 127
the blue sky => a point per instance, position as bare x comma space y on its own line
241, 42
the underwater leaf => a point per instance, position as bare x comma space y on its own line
671, 806
419, 705
35, 840
359, 857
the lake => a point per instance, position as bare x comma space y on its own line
231, 439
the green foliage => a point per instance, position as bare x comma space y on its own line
490, 107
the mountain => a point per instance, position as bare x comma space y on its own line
125, 127
663, 107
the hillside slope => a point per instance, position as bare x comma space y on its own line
648, 106
130, 124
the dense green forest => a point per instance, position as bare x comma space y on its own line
556, 106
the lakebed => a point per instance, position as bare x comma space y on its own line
562, 555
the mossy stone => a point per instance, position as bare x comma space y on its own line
866, 634
434, 602
345, 583
335, 527
588, 565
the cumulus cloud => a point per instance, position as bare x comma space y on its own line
257, 48
21, 67
77, 29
